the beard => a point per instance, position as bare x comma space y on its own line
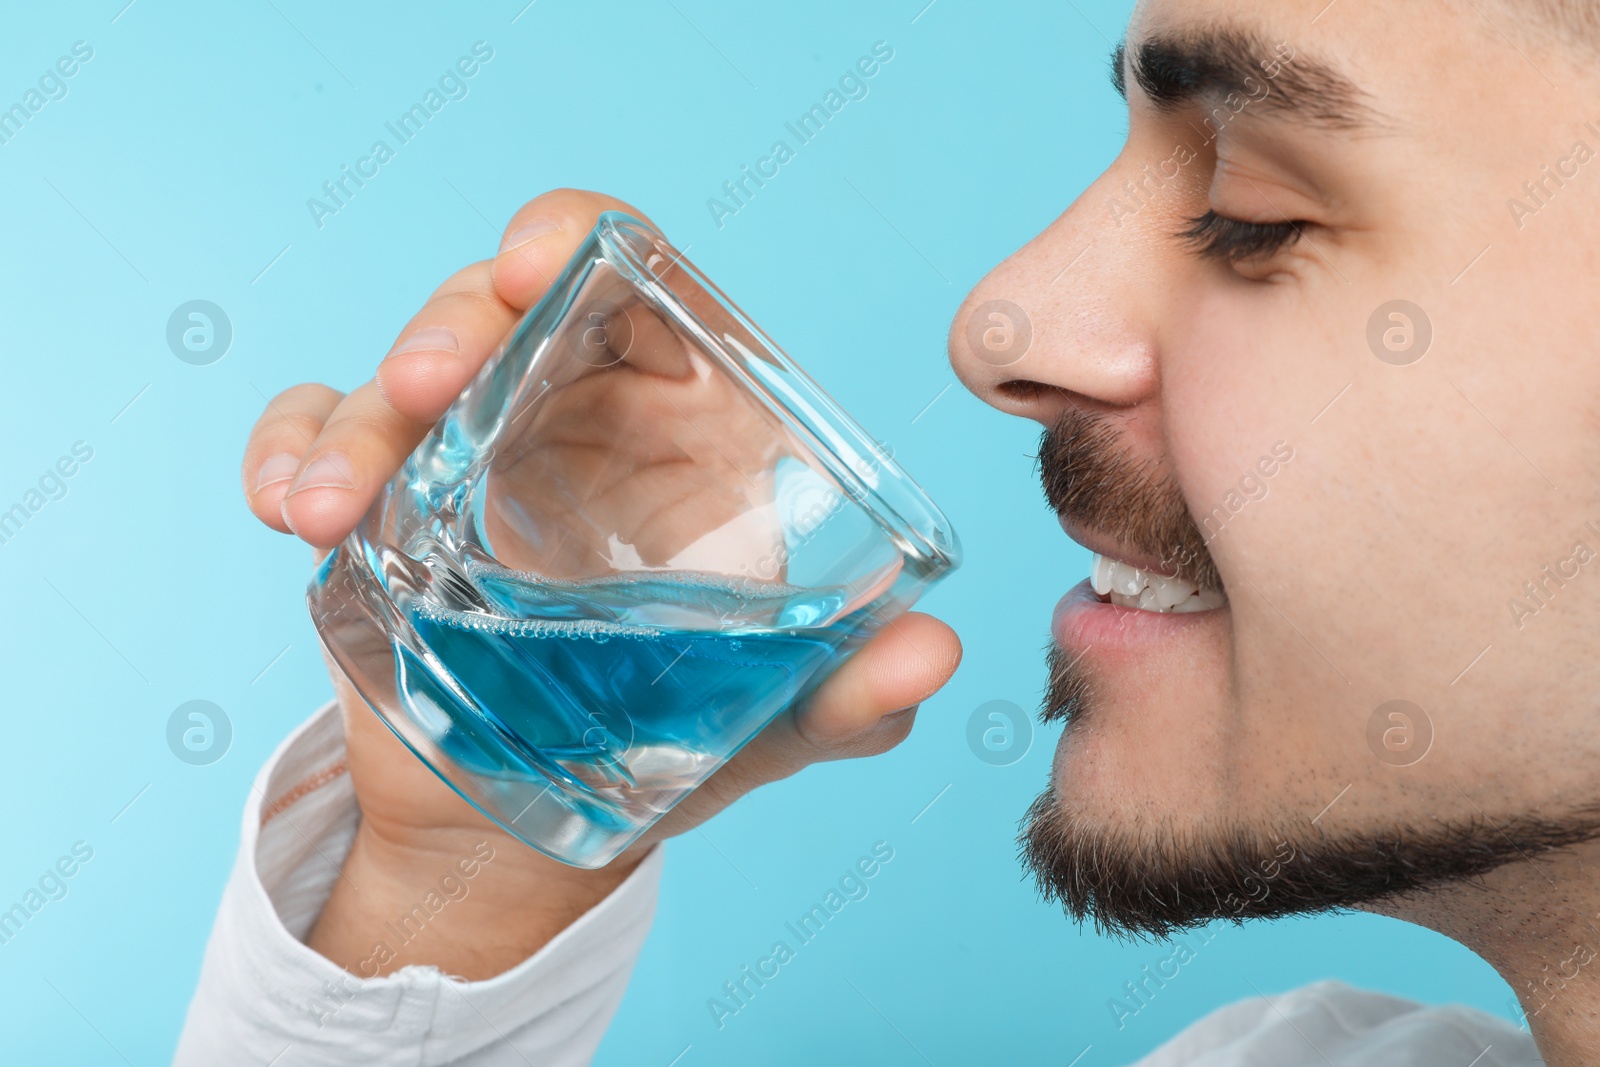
1146, 880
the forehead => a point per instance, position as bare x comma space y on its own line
1401, 26
1423, 62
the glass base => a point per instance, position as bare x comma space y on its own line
385, 661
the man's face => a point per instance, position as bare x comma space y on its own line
1234, 396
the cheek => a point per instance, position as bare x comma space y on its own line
1244, 370
1251, 367
1383, 560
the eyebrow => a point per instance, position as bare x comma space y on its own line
1177, 69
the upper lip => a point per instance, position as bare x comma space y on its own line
1112, 549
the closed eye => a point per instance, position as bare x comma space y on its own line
1218, 237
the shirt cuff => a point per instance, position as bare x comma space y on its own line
265, 997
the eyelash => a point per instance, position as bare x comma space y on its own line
1218, 237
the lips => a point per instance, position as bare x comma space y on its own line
1118, 637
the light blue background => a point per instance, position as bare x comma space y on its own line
178, 167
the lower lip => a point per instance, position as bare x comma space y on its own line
1083, 621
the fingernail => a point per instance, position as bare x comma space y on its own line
330, 471
428, 339
275, 469
532, 231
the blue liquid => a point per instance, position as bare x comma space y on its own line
624, 693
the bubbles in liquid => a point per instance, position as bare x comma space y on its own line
667, 599
593, 629
621, 718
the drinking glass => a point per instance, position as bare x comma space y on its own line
640, 534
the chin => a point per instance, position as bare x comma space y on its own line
1153, 738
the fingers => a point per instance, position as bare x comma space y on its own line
867, 707
904, 665
464, 321
361, 446
346, 455
344, 463
542, 236
444, 344
278, 441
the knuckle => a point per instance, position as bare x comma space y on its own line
369, 421
306, 395
474, 277
285, 431
880, 737
874, 742
477, 300
560, 196
574, 204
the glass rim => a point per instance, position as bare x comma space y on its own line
893, 497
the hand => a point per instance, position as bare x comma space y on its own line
315, 462
656, 451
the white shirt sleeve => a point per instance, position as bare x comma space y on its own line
264, 997
1330, 1024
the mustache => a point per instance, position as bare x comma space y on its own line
1090, 480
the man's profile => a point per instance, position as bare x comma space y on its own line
1322, 399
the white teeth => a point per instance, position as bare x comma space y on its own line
1100, 574
1129, 581
1130, 587
1170, 592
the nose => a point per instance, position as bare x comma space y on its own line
1070, 318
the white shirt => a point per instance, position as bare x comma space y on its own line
1329, 1024
265, 998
